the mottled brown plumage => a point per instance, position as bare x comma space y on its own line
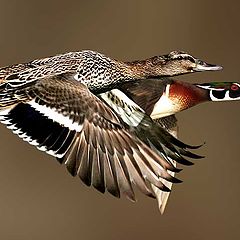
51, 104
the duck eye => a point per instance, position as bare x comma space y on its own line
179, 57
234, 87
191, 59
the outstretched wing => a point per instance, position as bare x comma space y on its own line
158, 134
146, 94
60, 116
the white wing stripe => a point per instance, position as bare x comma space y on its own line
52, 114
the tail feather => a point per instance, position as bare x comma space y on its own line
162, 196
170, 124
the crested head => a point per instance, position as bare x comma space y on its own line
221, 91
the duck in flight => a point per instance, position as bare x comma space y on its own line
53, 103
162, 100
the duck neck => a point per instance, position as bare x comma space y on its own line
143, 69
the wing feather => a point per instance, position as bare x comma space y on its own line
89, 138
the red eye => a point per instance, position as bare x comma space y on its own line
234, 87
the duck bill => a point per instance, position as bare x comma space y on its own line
200, 67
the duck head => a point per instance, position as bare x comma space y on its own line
178, 62
179, 96
172, 64
221, 91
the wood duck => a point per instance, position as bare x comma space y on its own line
52, 104
161, 100
169, 96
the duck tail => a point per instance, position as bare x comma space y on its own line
162, 196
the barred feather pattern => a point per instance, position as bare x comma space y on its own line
93, 69
89, 138
48, 103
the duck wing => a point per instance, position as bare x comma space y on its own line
145, 94
148, 130
60, 116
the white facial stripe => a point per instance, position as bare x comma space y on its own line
204, 87
214, 88
183, 55
214, 98
52, 114
238, 84
210, 88
226, 97
130, 112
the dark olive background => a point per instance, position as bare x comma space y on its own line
38, 198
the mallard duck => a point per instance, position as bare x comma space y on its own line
161, 100
100, 72
51, 103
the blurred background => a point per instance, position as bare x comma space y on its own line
40, 200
